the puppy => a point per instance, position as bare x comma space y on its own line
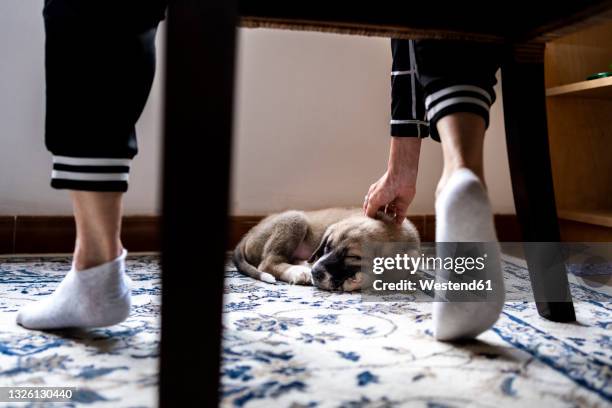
282, 246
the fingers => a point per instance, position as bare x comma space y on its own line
400, 212
390, 209
367, 197
374, 204
372, 187
397, 211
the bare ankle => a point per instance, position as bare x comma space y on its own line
89, 256
98, 224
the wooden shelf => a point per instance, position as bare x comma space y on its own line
580, 132
595, 217
600, 88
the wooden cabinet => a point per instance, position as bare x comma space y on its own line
580, 132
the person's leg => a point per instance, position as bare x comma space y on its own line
96, 290
98, 227
458, 79
462, 138
98, 81
463, 215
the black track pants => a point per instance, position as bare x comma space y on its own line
100, 64
432, 78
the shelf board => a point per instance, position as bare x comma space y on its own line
595, 88
595, 217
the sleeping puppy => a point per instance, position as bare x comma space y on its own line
330, 240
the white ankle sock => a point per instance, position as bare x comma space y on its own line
463, 214
94, 297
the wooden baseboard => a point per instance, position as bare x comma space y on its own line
24, 234
7, 235
56, 234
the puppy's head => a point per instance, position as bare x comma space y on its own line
338, 259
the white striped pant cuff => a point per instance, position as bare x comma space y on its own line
455, 101
432, 98
78, 176
91, 161
90, 170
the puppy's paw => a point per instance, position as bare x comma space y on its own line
298, 275
354, 283
266, 277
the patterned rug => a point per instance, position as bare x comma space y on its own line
113, 367
291, 346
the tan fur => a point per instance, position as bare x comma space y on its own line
271, 250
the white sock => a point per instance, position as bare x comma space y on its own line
463, 214
94, 297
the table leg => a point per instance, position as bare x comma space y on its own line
532, 184
200, 60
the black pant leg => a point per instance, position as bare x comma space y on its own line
98, 77
456, 76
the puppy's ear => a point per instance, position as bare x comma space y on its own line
319, 251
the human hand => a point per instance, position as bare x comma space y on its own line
394, 191
392, 194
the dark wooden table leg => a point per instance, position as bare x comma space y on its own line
532, 184
198, 130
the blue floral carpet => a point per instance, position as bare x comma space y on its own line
294, 346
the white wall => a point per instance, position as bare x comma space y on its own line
311, 125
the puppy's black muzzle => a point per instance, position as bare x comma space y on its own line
318, 274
